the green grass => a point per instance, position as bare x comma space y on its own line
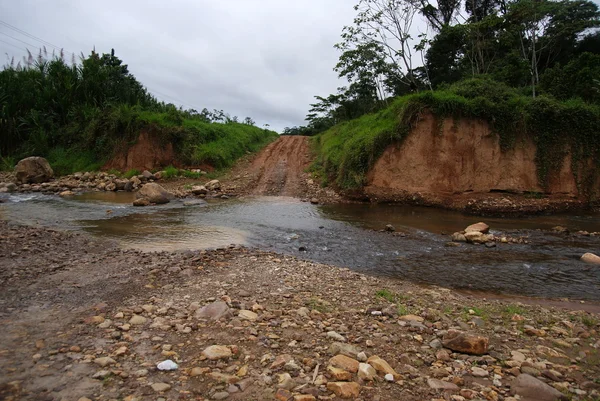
403, 310
131, 173
114, 129
589, 321
480, 312
319, 305
114, 171
511, 310
7, 163
198, 142
386, 294
347, 151
191, 174
69, 161
170, 172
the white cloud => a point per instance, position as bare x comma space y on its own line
260, 58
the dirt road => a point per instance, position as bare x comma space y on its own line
279, 168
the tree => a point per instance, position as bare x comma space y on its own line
249, 121
545, 27
365, 66
441, 16
387, 24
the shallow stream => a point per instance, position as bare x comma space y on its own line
342, 235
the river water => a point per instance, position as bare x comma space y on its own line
343, 235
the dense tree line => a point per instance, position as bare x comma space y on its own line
540, 47
47, 102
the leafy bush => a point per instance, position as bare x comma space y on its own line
578, 78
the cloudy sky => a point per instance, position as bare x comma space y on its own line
260, 58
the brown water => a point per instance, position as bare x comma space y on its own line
342, 235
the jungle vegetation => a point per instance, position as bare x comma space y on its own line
524, 66
78, 113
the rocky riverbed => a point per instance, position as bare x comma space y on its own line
85, 320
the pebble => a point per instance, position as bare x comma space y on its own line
137, 320
221, 395
161, 387
104, 361
336, 336
215, 352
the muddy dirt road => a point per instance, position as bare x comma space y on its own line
279, 168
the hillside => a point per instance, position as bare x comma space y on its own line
475, 136
83, 116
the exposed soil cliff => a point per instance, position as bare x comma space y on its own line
444, 159
147, 153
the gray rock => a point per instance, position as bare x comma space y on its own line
336, 336
459, 237
33, 170
441, 385
532, 389
344, 349
214, 311
221, 395
199, 190
101, 374
213, 185
154, 193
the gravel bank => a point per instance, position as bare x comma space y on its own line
83, 318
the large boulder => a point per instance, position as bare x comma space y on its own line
33, 170
154, 193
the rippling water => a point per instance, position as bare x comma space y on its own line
342, 235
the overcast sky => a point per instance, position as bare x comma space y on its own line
260, 58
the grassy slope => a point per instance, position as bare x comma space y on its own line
195, 141
347, 151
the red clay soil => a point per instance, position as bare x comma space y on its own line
279, 168
148, 153
458, 164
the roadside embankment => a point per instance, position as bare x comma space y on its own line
476, 146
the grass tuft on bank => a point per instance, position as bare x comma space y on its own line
347, 151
